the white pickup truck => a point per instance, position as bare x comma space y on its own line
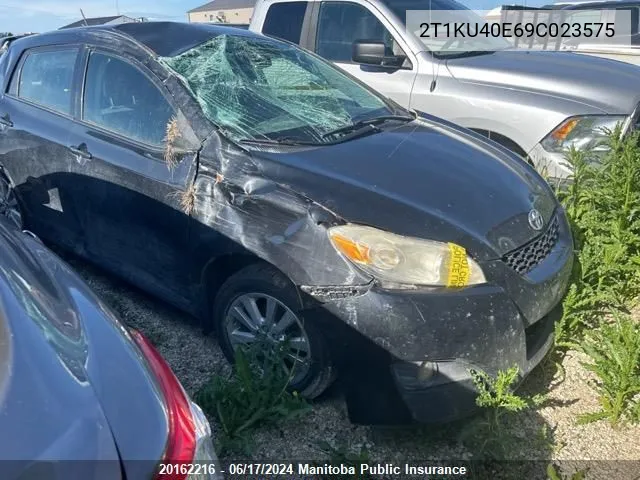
537, 103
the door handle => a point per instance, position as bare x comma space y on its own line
5, 120
80, 150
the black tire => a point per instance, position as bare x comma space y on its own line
263, 279
9, 205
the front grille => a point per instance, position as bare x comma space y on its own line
525, 258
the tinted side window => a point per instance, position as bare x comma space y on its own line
341, 24
46, 78
284, 20
120, 98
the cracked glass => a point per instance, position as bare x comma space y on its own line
258, 88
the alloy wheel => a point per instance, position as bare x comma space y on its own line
259, 319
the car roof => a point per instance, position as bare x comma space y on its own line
168, 39
165, 39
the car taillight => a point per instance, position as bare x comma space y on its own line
184, 436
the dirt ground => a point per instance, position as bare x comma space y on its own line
548, 434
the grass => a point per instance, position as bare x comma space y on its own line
603, 206
614, 351
254, 395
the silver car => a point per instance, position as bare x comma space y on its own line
80, 395
535, 103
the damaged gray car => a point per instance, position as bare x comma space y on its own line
282, 202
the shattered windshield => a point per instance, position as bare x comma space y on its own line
261, 89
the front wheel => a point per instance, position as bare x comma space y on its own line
258, 306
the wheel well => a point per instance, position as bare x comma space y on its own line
216, 273
504, 141
343, 338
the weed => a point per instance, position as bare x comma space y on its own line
188, 199
614, 350
342, 454
603, 206
490, 436
171, 137
497, 393
254, 395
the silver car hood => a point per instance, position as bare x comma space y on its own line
608, 85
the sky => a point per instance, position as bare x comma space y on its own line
20, 16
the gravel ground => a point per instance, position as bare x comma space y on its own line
607, 453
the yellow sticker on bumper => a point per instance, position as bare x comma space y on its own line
458, 268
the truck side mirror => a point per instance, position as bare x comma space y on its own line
369, 52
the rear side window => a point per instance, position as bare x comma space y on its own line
46, 79
120, 98
284, 20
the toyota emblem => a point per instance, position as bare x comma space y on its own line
535, 219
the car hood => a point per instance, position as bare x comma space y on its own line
607, 85
429, 179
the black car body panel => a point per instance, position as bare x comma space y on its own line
73, 385
354, 179
175, 231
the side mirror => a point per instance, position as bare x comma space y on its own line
369, 52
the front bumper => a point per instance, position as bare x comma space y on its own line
447, 391
506, 322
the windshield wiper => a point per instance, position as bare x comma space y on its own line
367, 125
357, 129
274, 141
465, 54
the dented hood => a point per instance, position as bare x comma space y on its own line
428, 179
564, 74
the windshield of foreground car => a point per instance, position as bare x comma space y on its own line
263, 89
448, 47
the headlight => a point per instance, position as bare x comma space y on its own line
584, 133
404, 260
